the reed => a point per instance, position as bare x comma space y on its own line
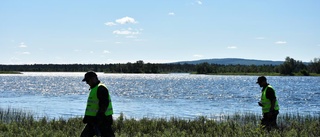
19, 123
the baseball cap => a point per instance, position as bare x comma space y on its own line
89, 74
261, 79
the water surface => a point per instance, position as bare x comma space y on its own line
62, 94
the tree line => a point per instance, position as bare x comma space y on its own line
289, 67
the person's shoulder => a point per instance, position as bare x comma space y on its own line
102, 88
270, 88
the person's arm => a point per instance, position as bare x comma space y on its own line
273, 102
103, 97
272, 97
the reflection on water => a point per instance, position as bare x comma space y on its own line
62, 94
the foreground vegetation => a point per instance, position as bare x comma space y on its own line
19, 123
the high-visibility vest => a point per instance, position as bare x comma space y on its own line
93, 103
266, 103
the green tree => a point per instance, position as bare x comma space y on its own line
287, 67
291, 66
138, 67
204, 68
315, 65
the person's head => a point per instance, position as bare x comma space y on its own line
262, 81
90, 78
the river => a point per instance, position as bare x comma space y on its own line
64, 95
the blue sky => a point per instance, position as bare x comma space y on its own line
121, 31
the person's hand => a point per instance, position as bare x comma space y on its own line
260, 104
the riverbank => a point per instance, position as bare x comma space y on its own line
10, 72
240, 74
261, 74
20, 123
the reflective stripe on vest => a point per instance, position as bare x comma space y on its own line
93, 103
266, 102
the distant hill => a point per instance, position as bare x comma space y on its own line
233, 61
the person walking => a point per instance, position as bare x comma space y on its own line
98, 113
269, 104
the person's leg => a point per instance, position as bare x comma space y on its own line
273, 122
264, 120
88, 131
106, 130
106, 127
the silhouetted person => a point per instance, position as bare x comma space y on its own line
98, 114
269, 104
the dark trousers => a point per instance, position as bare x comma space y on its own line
269, 120
103, 130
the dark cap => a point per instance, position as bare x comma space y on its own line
89, 74
261, 79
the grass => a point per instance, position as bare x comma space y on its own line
19, 123
10, 72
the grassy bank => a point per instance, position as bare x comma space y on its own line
10, 72
19, 123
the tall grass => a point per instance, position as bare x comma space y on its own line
21, 124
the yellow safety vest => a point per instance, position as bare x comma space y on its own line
266, 102
93, 103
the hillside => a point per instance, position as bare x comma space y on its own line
233, 61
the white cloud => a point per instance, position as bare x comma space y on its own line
106, 52
131, 37
281, 42
232, 47
126, 20
139, 40
197, 55
110, 24
126, 32
22, 45
25, 53
171, 14
122, 32
198, 2
22, 53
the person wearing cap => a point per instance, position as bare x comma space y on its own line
98, 113
269, 104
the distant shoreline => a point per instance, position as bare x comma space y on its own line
262, 74
10, 72
231, 74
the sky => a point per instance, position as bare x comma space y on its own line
157, 31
